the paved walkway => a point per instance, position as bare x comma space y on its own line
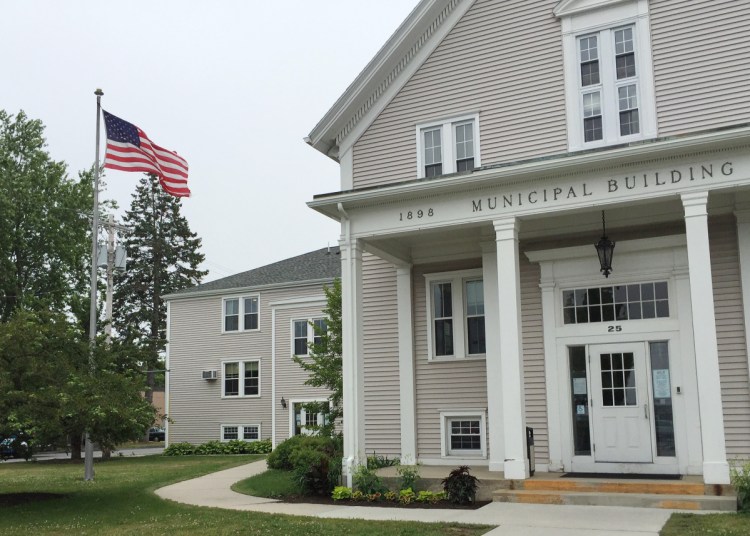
44, 456
511, 519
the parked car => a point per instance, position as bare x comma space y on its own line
15, 447
156, 434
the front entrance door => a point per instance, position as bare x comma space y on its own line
620, 403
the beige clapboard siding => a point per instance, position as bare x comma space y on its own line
483, 65
290, 378
196, 408
700, 69
380, 347
535, 387
441, 385
730, 331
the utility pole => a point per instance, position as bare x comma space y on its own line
115, 260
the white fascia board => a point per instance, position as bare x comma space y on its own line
372, 75
242, 290
607, 158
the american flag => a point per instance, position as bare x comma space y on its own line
129, 149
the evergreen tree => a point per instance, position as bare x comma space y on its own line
163, 257
44, 228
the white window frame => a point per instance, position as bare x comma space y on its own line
241, 389
240, 432
460, 330
467, 414
241, 320
310, 333
448, 140
295, 401
582, 18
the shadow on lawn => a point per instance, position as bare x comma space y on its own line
14, 499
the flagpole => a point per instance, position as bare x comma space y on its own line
89, 448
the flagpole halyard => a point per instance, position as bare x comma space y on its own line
89, 447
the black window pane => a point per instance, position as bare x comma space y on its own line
621, 311
608, 313
592, 128
232, 387
616, 361
582, 315
595, 313
634, 311
647, 291
634, 293
661, 291
476, 335
607, 398
607, 295
231, 323
569, 315
581, 296
251, 321
625, 66
300, 346
568, 298
606, 379
433, 170
649, 310
467, 164
621, 294
443, 337
619, 397
594, 296
629, 123
589, 73
662, 309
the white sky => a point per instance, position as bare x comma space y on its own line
233, 86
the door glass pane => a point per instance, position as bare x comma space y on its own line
580, 401
662, 388
618, 379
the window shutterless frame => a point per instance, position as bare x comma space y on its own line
448, 145
241, 378
459, 432
240, 313
242, 432
303, 334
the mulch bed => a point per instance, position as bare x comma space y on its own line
14, 499
320, 499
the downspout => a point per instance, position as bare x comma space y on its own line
347, 463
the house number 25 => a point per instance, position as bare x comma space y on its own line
614, 329
418, 214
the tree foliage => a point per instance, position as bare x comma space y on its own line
325, 360
163, 257
43, 222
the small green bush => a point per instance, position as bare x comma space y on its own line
280, 458
358, 496
408, 476
460, 486
374, 497
406, 496
211, 447
390, 496
430, 497
376, 461
262, 446
179, 449
366, 481
741, 481
310, 468
341, 493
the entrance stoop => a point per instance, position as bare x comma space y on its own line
687, 494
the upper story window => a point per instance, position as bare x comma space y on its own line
608, 72
241, 314
306, 332
448, 146
455, 312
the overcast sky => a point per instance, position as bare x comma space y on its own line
233, 86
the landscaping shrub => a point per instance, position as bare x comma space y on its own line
314, 460
366, 481
341, 493
408, 476
179, 449
406, 496
280, 458
390, 496
376, 461
211, 447
741, 482
430, 497
311, 468
461, 487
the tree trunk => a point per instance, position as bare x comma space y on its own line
75, 446
106, 453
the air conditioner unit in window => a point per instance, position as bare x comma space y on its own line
210, 374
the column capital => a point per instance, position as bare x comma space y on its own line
695, 204
403, 269
506, 229
742, 214
488, 247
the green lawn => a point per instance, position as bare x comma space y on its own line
273, 483
121, 502
713, 524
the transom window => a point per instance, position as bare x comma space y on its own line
241, 378
306, 332
247, 432
456, 314
618, 302
245, 308
448, 146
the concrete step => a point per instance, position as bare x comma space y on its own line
641, 500
660, 487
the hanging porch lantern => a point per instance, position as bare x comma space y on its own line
605, 249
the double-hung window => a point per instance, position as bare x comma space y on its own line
448, 146
463, 433
455, 312
306, 332
609, 76
241, 314
244, 432
241, 378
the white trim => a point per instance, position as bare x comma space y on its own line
273, 377
241, 386
167, 375
407, 387
240, 432
468, 414
293, 401
457, 279
448, 141
240, 311
252, 289
293, 302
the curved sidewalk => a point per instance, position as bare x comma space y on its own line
213, 490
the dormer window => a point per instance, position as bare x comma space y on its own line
448, 146
608, 72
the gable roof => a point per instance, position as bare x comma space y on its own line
387, 72
319, 265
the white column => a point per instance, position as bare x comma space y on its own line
494, 377
743, 245
511, 352
406, 365
715, 467
352, 366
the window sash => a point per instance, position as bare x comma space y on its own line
475, 329
320, 326
251, 433
231, 379
251, 313
249, 371
245, 308
232, 315
443, 318
252, 378
465, 435
229, 433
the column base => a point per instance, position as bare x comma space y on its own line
516, 470
716, 473
497, 466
